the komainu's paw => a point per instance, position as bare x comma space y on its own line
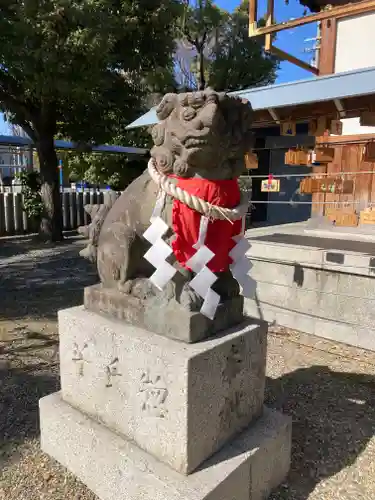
142, 288
125, 287
190, 299
89, 253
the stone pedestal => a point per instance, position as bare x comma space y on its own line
162, 315
142, 416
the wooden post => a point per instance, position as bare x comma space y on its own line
73, 210
93, 198
2, 214
253, 15
65, 207
17, 210
328, 34
80, 216
269, 22
25, 221
9, 214
86, 201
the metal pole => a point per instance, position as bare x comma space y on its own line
61, 176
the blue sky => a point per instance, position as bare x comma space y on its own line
291, 41
3, 126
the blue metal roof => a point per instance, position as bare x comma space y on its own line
323, 88
12, 140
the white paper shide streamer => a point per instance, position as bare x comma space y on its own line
241, 264
204, 278
160, 250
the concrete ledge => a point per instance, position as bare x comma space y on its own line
362, 232
358, 262
357, 336
114, 468
312, 257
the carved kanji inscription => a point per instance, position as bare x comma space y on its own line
112, 371
154, 394
79, 357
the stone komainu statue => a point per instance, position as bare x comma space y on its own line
200, 135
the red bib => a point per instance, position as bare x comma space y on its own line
186, 221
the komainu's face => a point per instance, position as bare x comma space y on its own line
201, 133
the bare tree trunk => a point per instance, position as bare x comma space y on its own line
202, 78
51, 225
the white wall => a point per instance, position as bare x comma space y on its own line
355, 50
5, 157
5, 161
9, 161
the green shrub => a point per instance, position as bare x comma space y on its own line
30, 188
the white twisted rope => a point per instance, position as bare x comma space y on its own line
201, 206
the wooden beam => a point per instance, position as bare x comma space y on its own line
340, 108
294, 60
274, 115
333, 13
343, 139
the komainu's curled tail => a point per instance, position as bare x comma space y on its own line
97, 214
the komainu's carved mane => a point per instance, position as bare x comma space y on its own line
202, 133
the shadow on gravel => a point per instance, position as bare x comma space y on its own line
11, 247
37, 287
333, 420
20, 391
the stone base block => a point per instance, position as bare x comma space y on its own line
116, 469
180, 402
158, 315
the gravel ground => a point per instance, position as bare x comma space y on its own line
327, 388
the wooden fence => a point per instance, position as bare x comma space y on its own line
13, 220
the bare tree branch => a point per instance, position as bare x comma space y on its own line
187, 78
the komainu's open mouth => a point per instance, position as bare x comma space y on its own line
194, 142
